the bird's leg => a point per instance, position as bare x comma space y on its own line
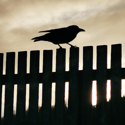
71, 45
60, 46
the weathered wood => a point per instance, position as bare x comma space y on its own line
116, 85
34, 82
60, 84
101, 85
1, 72
21, 90
73, 87
85, 85
9, 88
47, 82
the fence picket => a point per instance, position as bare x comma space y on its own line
73, 87
1, 72
21, 91
85, 85
34, 82
60, 83
101, 85
9, 87
47, 83
116, 85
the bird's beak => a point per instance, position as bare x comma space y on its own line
81, 30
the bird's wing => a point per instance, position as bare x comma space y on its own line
53, 30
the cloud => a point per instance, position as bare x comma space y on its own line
21, 20
34, 14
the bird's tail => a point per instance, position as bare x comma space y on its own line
36, 39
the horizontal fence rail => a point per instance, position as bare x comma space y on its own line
67, 73
80, 111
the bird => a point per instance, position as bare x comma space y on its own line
60, 35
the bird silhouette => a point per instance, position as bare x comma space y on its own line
60, 35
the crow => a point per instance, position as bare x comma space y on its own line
60, 35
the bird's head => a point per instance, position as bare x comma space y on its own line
76, 28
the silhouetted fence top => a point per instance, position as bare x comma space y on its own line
22, 56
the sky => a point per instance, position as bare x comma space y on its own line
20, 20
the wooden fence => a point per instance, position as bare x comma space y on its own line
80, 110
